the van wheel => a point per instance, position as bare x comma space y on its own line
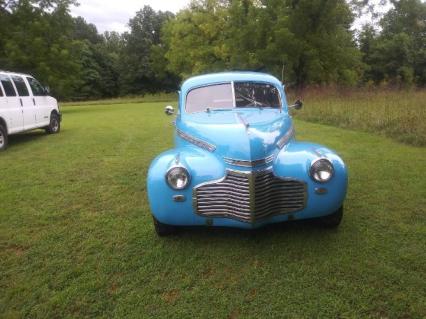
54, 125
333, 220
164, 229
3, 138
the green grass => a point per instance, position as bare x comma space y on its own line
400, 115
76, 235
158, 97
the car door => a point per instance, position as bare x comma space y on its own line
12, 109
40, 101
30, 111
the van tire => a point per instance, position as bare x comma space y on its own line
3, 138
54, 125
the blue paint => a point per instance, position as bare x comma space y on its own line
225, 130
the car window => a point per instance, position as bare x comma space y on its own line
249, 94
20, 85
233, 95
1, 90
213, 97
36, 87
9, 90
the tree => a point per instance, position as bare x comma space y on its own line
311, 40
196, 39
397, 55
140, 69
37, 41
99, 56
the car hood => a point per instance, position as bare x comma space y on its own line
246, 134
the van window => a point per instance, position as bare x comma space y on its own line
1, 91
9, 90
20, 85
36, 87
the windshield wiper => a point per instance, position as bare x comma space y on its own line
208, 110
256, 103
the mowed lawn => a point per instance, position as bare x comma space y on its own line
77, 240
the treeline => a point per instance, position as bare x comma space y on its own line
305, 42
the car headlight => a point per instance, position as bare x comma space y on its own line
321, 170
177, 177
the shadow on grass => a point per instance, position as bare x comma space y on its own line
25, 137
299, 240
290, 228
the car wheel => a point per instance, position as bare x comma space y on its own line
3, 138
333, 220
164, 229
54, 125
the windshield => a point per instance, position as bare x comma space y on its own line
232, 95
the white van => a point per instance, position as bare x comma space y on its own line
25, 105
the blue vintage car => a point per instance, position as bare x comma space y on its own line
236, 162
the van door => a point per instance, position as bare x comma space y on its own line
30, 111
40, 100
11, 107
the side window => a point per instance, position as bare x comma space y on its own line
9, 90
1, 91
36, 87
20, 85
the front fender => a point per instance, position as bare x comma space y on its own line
202, 166
294, 161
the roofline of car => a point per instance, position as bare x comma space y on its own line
15, 73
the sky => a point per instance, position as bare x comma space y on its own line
113, 15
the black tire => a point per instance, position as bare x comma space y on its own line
54, 126
3, 138
164, 229
332, 220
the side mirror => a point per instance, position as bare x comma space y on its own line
169, 110
46, 90
297, 105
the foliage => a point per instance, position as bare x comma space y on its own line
77, 239
303, 42
398, 53
142, 69
310, 40
36, 38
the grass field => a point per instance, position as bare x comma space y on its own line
76, 235
400, 115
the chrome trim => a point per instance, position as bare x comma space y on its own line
234, 102
249, 196
286, 137
321, 190
317, 160
179, 198
196, 141
248, 163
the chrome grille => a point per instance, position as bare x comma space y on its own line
249, 196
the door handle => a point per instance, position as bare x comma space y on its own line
20, 100
34, 101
